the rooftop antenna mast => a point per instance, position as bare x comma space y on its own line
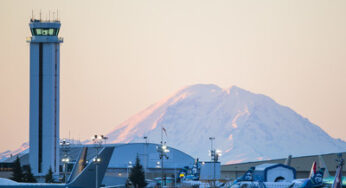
40, 15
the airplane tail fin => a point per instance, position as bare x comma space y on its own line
248, 176
338, 175
87, 177
313, 170
323, 165
317, 179
80, 164
288, 160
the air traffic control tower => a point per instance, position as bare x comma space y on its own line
44, 96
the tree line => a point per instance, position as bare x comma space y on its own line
23, 173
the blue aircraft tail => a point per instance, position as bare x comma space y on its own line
87, 177
315, 181
248, 176
80, 164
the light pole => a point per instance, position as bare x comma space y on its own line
97, 139
211, 147
162, 150
212, 157
97, 161
158, 164
128, 169
65, 146
146, 156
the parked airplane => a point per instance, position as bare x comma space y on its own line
338, 176
81, 177
313, 169
288, 160
249, 180
331, 180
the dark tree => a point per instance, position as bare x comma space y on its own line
28, 176
17, 173
49, 176
63, 178
137, 175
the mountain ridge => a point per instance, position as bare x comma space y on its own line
233, 112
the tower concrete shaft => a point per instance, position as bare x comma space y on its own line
44, 96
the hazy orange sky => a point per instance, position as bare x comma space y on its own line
118, 57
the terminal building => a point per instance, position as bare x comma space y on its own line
302, 165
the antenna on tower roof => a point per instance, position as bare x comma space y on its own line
40, 15
57, 14
32, 14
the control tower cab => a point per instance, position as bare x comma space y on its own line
48, 30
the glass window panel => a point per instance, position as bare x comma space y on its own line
44, 31
51, 31
38, 31
57, 32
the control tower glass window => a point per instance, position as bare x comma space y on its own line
51, 31
45, 32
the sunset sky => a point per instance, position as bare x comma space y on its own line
119, 57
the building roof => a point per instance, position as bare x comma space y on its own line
149, 156
123, 153
302, 163
265, 166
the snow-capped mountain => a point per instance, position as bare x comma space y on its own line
246, 126
11, 155
24, 148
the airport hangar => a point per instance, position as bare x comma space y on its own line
301, 164
123, 159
